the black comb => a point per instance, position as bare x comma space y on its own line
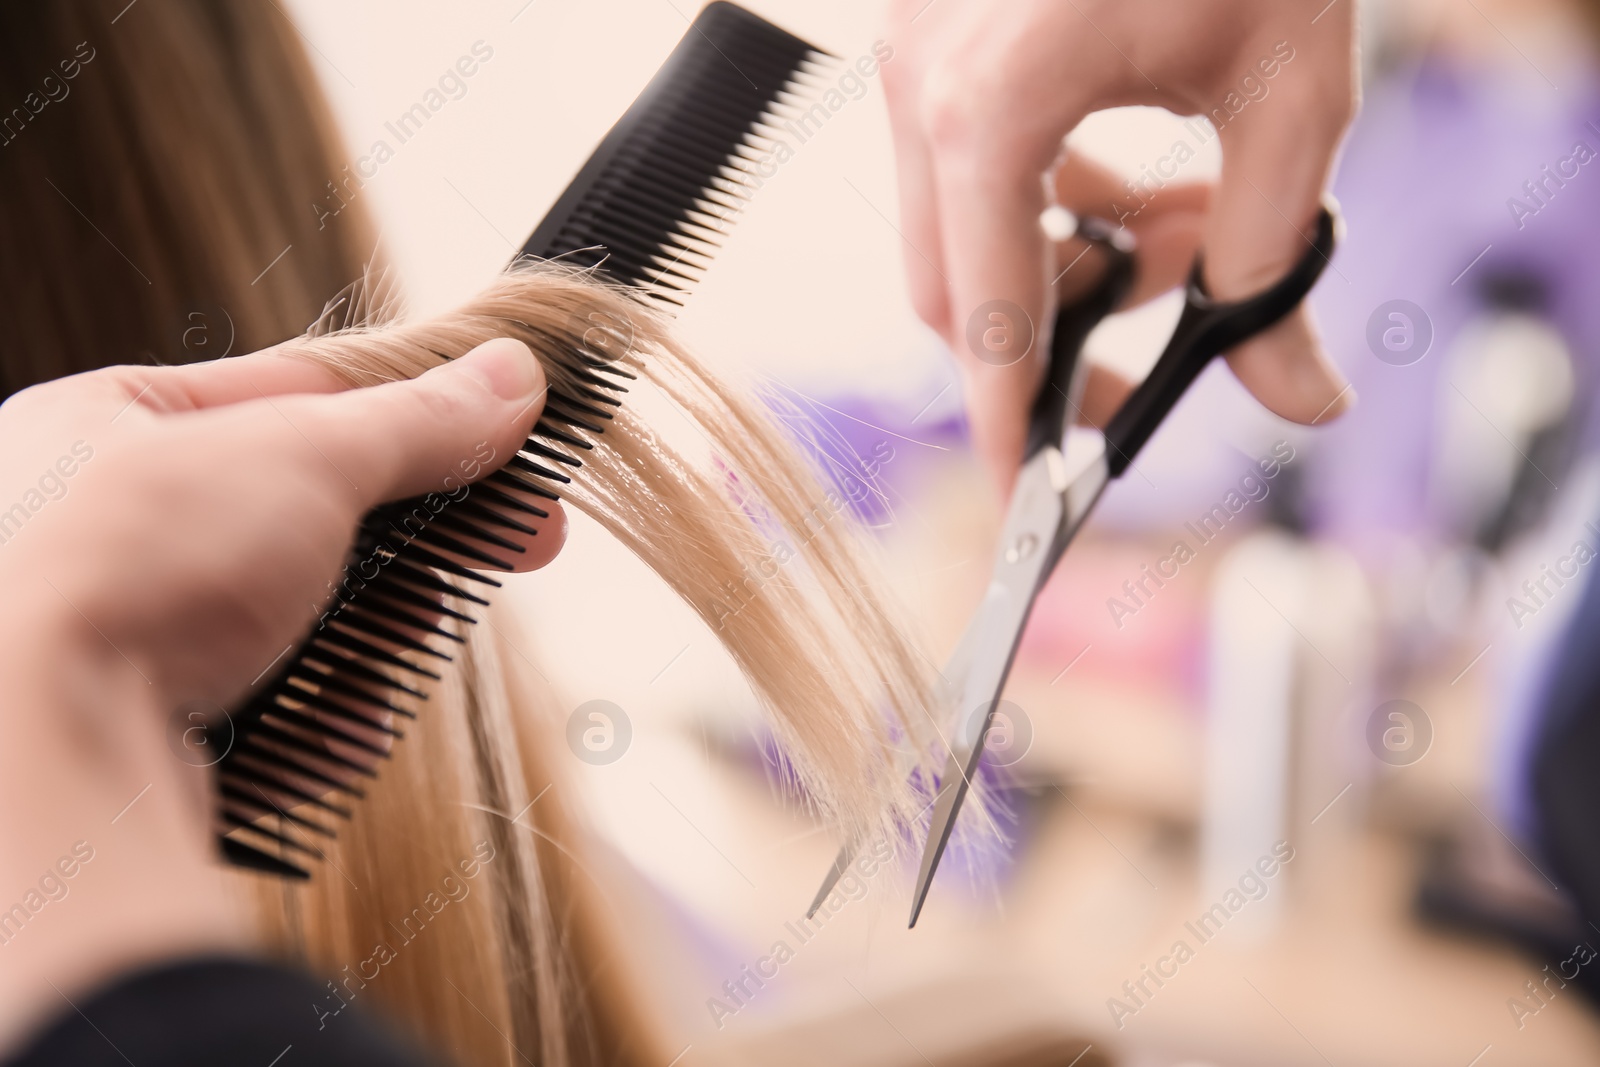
648, 211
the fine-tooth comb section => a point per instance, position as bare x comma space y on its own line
648, 210
658, 194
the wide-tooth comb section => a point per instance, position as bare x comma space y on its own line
648, 210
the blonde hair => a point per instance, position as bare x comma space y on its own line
210, 119
848, 695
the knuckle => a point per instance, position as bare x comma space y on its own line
949, 107
449, 407
968, 118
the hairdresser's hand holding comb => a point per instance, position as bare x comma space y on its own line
981, 99
165, 534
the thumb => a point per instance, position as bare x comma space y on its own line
452, 424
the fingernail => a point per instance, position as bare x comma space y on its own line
505, 366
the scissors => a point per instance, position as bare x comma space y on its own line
1064, 470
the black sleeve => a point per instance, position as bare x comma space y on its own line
216, 1011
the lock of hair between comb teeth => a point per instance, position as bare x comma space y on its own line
647, 210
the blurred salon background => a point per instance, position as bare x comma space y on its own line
1368, 659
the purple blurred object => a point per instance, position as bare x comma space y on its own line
1427, 183
868, 449
1453, 178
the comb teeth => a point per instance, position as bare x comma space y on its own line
341, 683
649, 209
652, 203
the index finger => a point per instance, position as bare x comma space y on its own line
989, 194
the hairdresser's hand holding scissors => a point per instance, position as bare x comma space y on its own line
981, 101
981, 98
164, 534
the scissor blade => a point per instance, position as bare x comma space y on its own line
841, 863
952, 790
952, 679
1004, 613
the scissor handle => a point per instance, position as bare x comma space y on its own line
1205, 329
1074, 321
